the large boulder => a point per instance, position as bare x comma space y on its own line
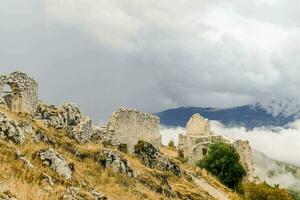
114, 161
11, 130
153, 158
56, 162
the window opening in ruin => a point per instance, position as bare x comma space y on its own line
6, 90
204, 151
7, 95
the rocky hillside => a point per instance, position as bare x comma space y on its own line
51, 156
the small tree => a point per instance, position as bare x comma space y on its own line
222, 161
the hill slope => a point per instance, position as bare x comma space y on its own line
47, 164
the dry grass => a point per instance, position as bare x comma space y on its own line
29, 184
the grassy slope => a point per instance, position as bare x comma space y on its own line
30, 184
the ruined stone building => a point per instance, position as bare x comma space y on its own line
128, 126
193, 146
18, 92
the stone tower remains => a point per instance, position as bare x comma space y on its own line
23, 94
194, 145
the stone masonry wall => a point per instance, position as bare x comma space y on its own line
244, 150
24, 97
197, 126
127, 126
194, 145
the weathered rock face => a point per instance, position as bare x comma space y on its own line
116, 162
11, 130
24, 92
67, 116
244, 150
56, 162
51, 115
153, 158
128, 126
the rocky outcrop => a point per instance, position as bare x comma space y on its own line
69, 117
11, 130
153, 158
114, 161
56, 162
75, 193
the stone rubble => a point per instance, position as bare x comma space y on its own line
73, 193
153, 158
69, 117
56, 162
116, 162
11, 130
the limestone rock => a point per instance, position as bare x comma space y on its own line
151, 157
114, 161
56, 162
11, 130
69, 117
74, 193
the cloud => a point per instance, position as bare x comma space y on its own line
169, 134
278, 143
149, 55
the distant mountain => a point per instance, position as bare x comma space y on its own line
249, 116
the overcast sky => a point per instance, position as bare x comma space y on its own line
153, 55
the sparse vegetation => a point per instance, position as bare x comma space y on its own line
263, 191
172, 144
223, 161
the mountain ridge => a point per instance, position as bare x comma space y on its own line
248, 116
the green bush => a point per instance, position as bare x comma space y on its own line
263, 191
222, 160
171, 144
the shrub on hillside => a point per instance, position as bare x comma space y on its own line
263, 191
171, 144
222, 160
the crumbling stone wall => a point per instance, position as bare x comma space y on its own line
244, 150
194, 145
24, 97
198, 125
127, 126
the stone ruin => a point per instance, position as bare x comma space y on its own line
127, 127
193, 146
22, 94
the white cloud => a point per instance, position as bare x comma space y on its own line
278, 143
153, 55
210, 53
